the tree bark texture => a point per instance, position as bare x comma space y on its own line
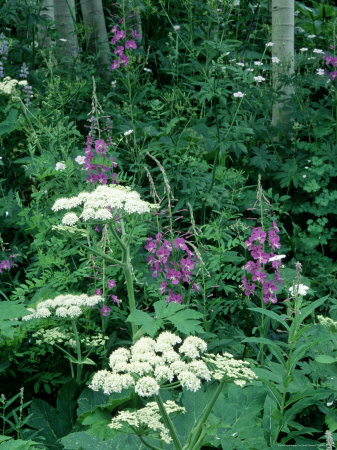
65, 18
95, 29
47, 13
283, 48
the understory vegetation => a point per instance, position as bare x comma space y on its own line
168, 226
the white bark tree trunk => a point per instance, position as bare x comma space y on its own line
283, 48
96, 33
47, 12
65, 18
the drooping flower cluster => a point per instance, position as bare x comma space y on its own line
176, 271
148, 417
64, 306
150, 364
257, 267
122, 45
99, 172
104, 203
331, 63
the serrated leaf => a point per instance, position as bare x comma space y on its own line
187, 321
149, 325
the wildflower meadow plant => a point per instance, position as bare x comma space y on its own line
151, 365
108, 205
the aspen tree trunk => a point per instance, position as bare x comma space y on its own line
96, 33
47, 12
283, 48
65, 18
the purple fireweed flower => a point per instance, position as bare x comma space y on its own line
130, 44
98, 292
114, 29
105, 310
135, 34
116, 64
111, 283
101, 147
195, 287
172, 297
179, 243
124, 59
119, 50
163, 287
115, 299
273, 239
186, 264
248, 288
174, 276
258, 254
259, 276
151, 246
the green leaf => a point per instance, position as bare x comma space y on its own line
83, 441
90, 400
187, 321
12, 310
18, 444
149, 325
280, 318
9, 125
325, 359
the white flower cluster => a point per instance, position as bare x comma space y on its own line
8, 85
148, 417
299, 289
151, 363
234, 369
51, 336
328, 323
64, 306
99, 203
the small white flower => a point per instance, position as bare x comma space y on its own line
269, 44
300, 289
238, 94
227, 53
250, 70
146, 69
236, 3
318, 50
304, 49
126, 133
60, 166
296, 13
70, 219
63, 40
80, 159
311, 36
320, 71
240, 64
304, 176
329, 404
259, 79
176, 27
258, 63
275, 60
309, 160
146, 386
276, 258
299, 29
113, 83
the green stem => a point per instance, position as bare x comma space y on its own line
103, 255
168, 422
195, 434
78, 351
147, 444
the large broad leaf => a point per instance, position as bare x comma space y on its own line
236, 421
66, 401
149, 325
18, 444
12, 310
187, 321
90, 400
83, 441
9, 125
50, 423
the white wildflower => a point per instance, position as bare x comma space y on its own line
299, 289
238, 94
126, 133
80, 159
276, 258
176, 27
269, 44
259, 79
241, 64
62, 40
103, 214
60, 166
320, 71
311, 36
146, 69
318, 50
303, 49
192, 347
146, 386
275, 60
163, 373
258, 63
304, 176
236, 3
250, 70
189, 380
70, 219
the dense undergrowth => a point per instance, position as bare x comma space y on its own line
190, 214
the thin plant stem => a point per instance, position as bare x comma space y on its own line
168, 422
78, 351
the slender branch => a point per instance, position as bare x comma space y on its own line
146, 443
103, 255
